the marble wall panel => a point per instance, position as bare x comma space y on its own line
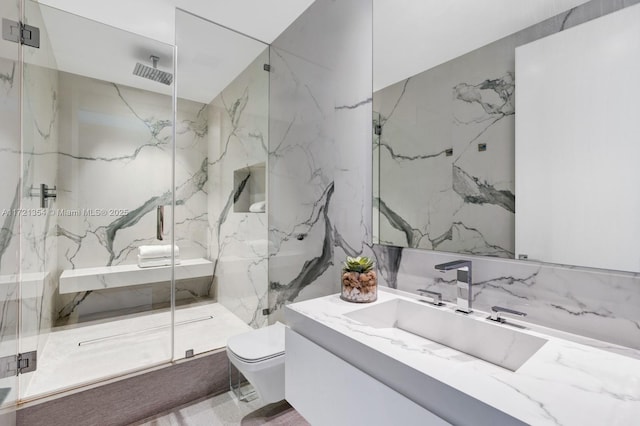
595, 303
116, 154
238, 240
319, 149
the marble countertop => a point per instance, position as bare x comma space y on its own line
569, 381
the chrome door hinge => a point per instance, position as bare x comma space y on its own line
20, 33
13, 365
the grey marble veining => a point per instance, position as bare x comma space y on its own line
473, 191
593, 303
565, 380
483, 94
460, 104
8, 226
388, 259
117, 137
597, 303
312, 268
451, 199
238, 138
319, 150
7, 78
35, 235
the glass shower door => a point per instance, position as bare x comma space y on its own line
97, 158
222, 125
10, 190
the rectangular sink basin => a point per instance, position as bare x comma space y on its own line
491, 342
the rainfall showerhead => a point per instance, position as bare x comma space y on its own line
153, 73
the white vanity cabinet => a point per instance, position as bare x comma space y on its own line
327, 390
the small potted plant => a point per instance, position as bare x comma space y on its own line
359, 280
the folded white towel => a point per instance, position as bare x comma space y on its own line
153, 252
151, 263
258, 207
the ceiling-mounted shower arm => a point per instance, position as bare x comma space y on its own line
153, 73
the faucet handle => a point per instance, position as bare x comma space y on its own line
496, 311
432, 297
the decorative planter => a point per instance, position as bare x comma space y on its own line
360, 287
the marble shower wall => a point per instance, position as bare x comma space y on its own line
238, 138
463, 203
319, 149
596, 303
116, 154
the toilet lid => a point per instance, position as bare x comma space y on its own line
260, 344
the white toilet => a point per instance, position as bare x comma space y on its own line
259, 356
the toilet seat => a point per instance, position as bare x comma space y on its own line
258, 345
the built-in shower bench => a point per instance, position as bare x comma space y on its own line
106, 277
31, 284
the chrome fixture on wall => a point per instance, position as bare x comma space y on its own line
44, 193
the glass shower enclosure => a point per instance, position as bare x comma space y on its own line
133, 203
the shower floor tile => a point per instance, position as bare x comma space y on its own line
82, 354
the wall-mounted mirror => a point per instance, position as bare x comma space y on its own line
518, 148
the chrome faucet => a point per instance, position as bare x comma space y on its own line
463, 286
496, 311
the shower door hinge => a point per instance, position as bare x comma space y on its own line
13, 365
266, 67
18, 32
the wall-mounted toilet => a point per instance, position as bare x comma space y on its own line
259, 356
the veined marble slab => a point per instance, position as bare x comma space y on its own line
100, 278
563, 383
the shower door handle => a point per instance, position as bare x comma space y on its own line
160, 222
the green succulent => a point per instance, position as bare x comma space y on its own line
357, 264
